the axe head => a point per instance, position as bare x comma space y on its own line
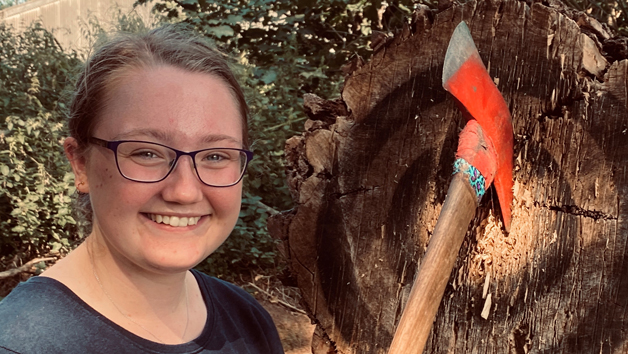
466, 78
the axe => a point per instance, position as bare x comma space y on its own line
484, 154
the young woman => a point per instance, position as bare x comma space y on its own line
158, 138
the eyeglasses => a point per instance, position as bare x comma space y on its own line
147, 162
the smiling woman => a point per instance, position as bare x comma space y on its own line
158, 147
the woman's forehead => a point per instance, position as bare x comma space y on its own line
169, 101
170, 136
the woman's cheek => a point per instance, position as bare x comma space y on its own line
229, 204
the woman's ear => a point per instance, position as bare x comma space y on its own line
78, 162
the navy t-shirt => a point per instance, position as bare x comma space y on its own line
42, 315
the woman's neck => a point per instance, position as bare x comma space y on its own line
130, 283
156, 306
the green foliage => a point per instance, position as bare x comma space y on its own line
35, 181
248, 248
309, 39
613, 13
8, 3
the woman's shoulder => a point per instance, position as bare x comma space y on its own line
225, 292
236, 314
40, 305
42, 315
32, 297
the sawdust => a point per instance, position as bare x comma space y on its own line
497, 254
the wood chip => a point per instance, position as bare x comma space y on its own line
487, 282
487, 307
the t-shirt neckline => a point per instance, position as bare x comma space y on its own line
193, 346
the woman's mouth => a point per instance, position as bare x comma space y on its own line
176, 221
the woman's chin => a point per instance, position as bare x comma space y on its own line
178, 255
171, 267
172, 263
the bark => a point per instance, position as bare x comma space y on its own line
370, 173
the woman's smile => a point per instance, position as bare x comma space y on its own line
176, 221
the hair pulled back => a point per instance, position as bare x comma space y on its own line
167, 45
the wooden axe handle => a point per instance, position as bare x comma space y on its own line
428, 288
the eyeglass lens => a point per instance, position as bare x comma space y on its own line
147, 162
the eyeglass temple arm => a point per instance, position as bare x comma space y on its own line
98, 141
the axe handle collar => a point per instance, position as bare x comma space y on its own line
474, 177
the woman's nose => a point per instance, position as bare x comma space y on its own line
183, 185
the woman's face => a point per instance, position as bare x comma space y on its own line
186, 111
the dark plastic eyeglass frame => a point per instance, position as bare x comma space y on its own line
113, 146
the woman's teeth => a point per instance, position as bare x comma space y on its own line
175, 221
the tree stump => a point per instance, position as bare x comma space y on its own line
370, 173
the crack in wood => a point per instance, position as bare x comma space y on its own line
576, 210
301, 263
354, 191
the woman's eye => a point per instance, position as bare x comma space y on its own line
146, 154
215, 157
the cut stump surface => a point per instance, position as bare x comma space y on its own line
370, 173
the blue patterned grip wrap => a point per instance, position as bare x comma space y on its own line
476, 180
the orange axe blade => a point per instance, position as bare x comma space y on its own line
466, 78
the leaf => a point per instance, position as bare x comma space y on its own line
296, 18
317, 73
269, 77
18, 228
234, 20
221, 31
4, 169
56, 246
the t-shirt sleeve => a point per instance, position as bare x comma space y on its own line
239, 314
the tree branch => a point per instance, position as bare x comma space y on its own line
269, 209
23, 268
273, 299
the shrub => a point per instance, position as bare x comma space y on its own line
35, 180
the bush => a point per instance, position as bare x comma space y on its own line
249, 249
35, 180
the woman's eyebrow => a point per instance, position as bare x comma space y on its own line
159, 135
220, 137
167, 136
